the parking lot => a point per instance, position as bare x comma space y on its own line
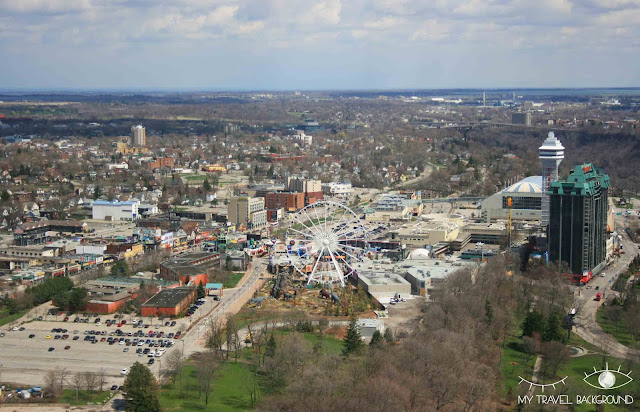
44, 345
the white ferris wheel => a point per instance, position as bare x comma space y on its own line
324, 240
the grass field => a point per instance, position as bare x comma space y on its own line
230, 392
515, 364
233, 280
69, 396
6, 318
620, 333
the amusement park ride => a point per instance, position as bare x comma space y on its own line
324, 240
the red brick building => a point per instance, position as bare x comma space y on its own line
170, 302
289, 201
161, 162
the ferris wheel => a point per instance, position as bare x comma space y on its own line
324, 240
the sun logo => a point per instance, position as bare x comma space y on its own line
607, 378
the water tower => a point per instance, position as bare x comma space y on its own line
551, 154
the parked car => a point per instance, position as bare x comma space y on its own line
51, 349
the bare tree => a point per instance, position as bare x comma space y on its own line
175, 366
102, 378
206, 367
529, 347
215, 336
555, 354
51, 383
78, 383
61, 373
90, 381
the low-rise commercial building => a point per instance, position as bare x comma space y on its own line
170, 302
105, 210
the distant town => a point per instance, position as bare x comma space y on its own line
441, 249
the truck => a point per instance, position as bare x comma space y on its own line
598, 297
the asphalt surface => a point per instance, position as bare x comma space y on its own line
586, 305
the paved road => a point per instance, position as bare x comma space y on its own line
193, 341
586, 326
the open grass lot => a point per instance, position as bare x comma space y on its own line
620, 333
575, 370
84, 397
233, 280
5, 317
514, 364
230, 392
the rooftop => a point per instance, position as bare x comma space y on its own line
170, 298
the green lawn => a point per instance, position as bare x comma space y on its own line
230, 392
6, 318
620, 333
576, 368
515, 364
69, 396
233, 280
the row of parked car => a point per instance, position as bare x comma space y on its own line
192, 309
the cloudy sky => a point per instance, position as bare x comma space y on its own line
318, 44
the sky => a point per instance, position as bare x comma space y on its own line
318, 44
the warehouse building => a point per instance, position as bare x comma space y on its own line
105, 210
170, 302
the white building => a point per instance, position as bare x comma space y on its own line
138, 136
121, 166
91, 250
337, 189
526, 196
105, 210
304, 140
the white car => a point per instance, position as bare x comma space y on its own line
602, 274
140, 343
124, 371
152, 352
15, 328
133, 322
121, 342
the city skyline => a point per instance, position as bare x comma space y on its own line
286, 45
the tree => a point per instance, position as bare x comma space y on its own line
206, 185
352, 342
97, 192
529, 347
61, 373
175, 366
206, 367
555, 354
51, 383
201, 291
533, 322
120, 268
78, 299
102, 378
78, 382
141, 390
553, 328
90, 381
388, 335
376, 339
272, 345
4, 196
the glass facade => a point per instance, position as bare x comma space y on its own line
523, 202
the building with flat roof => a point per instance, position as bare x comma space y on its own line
193, 268
247, 211
44, 231
106, 210
289, 201
383, 285
577, 233
169, 302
